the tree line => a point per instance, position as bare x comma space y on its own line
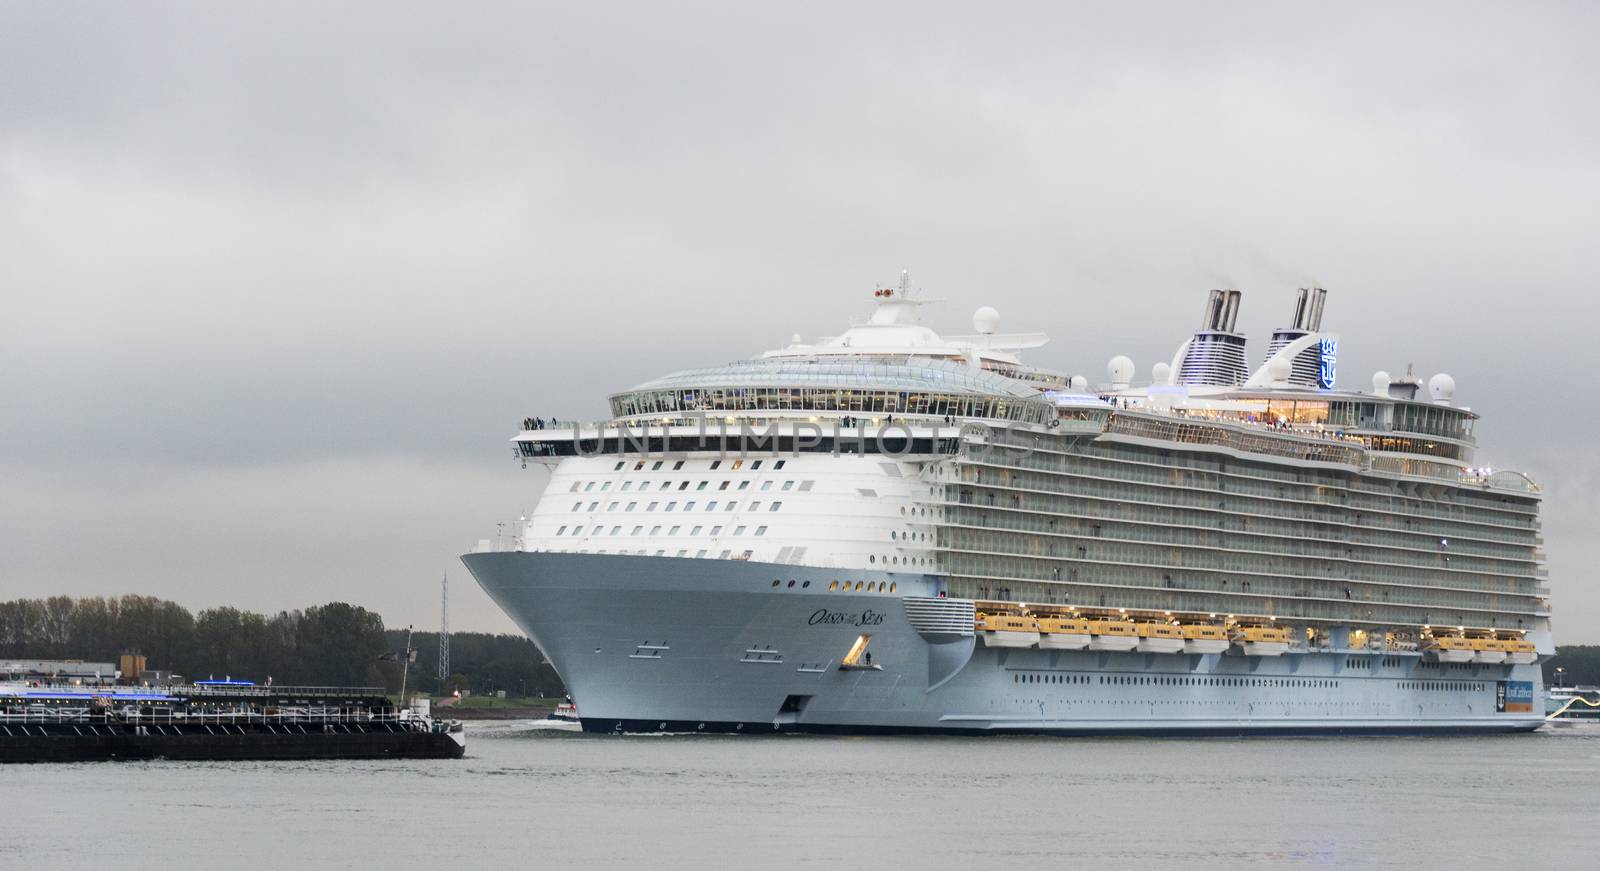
1581, 664
336, 644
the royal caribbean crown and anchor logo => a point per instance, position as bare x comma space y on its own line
1329, 351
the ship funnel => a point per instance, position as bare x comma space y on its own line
1214, 357
1312, 360
1308, 310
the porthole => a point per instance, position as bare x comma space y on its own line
791, 582
804, 584
776, 582
833, 585
893, 587
858, 586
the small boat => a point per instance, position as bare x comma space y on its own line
1449, 648
1204, 638
1572, 703
1261, 640
1159, 638
563, 718
1007, 630
1520, 652
1063, 633
1488, 650
1113, 635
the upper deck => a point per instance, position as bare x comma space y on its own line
893, 385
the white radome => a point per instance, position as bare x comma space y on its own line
1160, 372
1079, 383
1279, 369
1120, 371
1380, 383
1442, 388
986, 320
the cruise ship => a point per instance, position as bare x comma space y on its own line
894, 530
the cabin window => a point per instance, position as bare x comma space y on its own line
738, 530
775, 506
755, 465
702, 485
779, 464
762, 530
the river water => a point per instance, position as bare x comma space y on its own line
528, 798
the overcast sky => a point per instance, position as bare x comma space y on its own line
277, 281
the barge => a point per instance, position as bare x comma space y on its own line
217, 720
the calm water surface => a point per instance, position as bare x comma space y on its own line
534, 797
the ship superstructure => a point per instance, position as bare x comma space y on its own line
892, 529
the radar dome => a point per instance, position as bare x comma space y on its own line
794, 339
1380, 383
1120, 370
1279, 368
1080, 383
986, 320
1161, 372
1442, 388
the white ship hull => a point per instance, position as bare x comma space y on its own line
664, 644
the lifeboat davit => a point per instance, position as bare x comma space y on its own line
1520, 652
1056, 633
1159, 638
1261, 640
1113, 635
1488, 650
1203, 638
1449, 648
1006, 630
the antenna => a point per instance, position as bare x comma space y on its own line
444, 631
905, 282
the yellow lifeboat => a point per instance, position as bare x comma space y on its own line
1063, 633
1007, 630
1115, 635
1489, 650
1204, 638
1159, 638
1261, 640
1449, 648
1520, 651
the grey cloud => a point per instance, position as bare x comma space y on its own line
246, 245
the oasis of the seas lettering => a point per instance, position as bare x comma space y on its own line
824, 617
